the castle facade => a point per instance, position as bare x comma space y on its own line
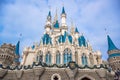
62, 54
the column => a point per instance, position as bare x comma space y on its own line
44, 57
61, 58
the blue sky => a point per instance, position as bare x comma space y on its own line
91, 17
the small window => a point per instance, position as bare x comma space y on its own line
55, 77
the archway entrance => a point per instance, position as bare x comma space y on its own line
85, 78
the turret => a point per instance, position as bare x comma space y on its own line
17, 62
113, 55
56, 26
48, 23
82, 41
63, 20
76, 33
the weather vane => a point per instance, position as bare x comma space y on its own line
106, 31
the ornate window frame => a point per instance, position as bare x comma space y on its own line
48, 57
38, 55
67, 55
58, 57
52, 77
84, 59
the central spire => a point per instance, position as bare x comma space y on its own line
76, 30
63, 10
49, 14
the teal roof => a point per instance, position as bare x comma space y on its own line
63, 10
33, 46
46, 39
76, 30
17, 48
111, 45
82, 41
56, 25
49, 14
62, 38
70, 38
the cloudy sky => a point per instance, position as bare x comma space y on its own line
91, 17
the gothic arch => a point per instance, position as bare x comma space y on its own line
91, 58
58, 57
68, 47
84, 59
55, 77
48, 58
67, 55
87, 77
39, 56
76, 57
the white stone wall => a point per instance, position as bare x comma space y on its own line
31, 54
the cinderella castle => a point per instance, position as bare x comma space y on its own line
60, 55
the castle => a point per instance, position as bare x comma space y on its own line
60, 55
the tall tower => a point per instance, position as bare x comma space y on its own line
17, 56
114, 55
63, 20
56, 26
7, 54
48, 23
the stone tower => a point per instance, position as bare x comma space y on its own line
114, 55
7, 54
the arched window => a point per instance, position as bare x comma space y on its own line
67, 55
97, 59
84, 59
58, 57
76, 56
39, 57
48, 58
91, 59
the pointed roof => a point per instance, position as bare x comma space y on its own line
33, 46
55, 17
17, 48
63, 10
62, 38
46, 39
56, 25
70, 38
111, 45
49, 14
76, 30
